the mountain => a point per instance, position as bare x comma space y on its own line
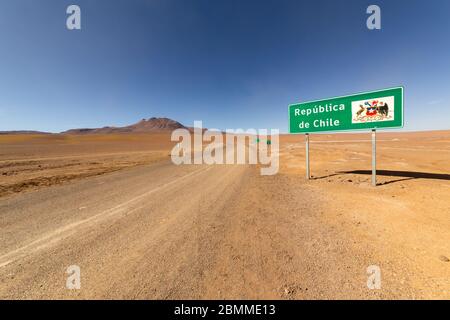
156, 124
145, 125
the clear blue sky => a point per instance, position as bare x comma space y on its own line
230, 63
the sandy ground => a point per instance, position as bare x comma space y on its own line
404, 222
28, 162
153, 230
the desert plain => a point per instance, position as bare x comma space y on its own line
140, 227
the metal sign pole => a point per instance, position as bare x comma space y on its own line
307, 155
374, 157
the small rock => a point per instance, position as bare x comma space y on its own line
444, 258
350, 180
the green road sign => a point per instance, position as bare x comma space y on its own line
369, 110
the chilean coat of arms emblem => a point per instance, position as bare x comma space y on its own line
379, 109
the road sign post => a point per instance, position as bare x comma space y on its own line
373, 110
307, 156
374, 157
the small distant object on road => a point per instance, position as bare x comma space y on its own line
258, 140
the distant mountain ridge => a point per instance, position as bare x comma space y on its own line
23, 132
145, 125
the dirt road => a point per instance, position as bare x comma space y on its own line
165, 231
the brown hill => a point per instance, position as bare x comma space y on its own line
149, 125
155, 124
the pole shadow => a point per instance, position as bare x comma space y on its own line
324, 177
405, 175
